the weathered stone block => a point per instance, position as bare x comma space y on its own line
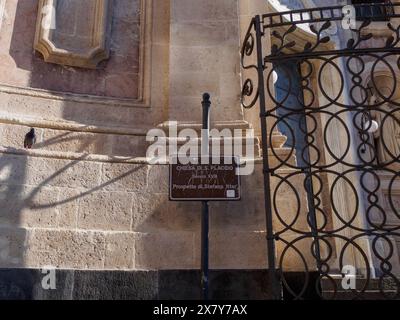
61, 173
248, 214
12, 247
80, 37
184, 216
122, 85
119, 251
38, 207
67, 208
127, 145
172, 250
28, 206
105, 211
13, 169
236, 250
207, 10
150, 211
158, 179
154, 212
188, 83
12, 203
124, 177
65, 249
254, 181
67, 141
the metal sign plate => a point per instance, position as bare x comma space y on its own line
205, 182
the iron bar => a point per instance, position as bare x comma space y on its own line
266, 168
390, 12
206, 104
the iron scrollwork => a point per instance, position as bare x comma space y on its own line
250, 91
340, 172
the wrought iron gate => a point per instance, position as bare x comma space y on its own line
332, 192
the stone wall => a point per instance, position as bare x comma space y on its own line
85, 198
72, 200
96, 214
204, 57
99, 215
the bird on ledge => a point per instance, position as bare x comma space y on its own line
30, 139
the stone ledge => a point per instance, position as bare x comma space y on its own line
69, 125
73, 97
181, 125
98, 158
72, 156
57, 140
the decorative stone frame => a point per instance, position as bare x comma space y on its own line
97, 53
89, 58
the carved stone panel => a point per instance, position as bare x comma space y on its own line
122, 79
73, 32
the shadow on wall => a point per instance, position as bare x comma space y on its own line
105, 81
26, 212
35, 193
40, 197
12, 238
50, 207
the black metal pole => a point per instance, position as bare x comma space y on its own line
204, 206
204, 249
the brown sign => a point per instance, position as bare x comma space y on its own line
200, 182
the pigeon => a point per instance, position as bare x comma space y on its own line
30, 139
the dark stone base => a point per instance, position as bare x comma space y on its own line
26, 284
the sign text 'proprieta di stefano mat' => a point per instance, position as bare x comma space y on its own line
217, 180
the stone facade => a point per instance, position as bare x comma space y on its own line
85, 197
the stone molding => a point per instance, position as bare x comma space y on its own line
75, 156
72, 97
70, 125
145, 62
91, 56
37, 153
